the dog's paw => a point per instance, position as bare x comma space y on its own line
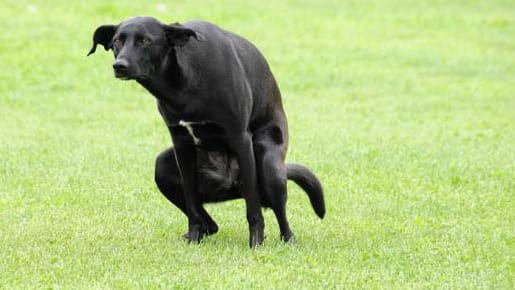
289, 239
193, 236
210, 229
196, 235
257, 237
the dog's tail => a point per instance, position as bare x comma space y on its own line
308, 181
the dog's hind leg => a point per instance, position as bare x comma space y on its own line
168, 180
272, 183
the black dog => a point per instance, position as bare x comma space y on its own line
222, 106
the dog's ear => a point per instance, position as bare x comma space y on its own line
103, 35
178, 35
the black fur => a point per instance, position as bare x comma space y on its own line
223, 108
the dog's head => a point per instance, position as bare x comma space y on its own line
141, 45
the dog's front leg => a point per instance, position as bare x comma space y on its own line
244, 151
186, 156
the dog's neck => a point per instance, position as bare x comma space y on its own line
169, 81
172, 71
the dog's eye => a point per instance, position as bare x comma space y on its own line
144, 41
117, 43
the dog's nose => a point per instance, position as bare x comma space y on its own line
121, 64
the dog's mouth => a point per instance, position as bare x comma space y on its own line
124, 78
125, 75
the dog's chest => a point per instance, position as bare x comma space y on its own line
206, 134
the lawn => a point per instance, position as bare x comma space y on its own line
405, 110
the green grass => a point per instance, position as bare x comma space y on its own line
405, 109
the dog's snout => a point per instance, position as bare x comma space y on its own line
120, 65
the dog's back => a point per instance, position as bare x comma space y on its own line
226, 58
